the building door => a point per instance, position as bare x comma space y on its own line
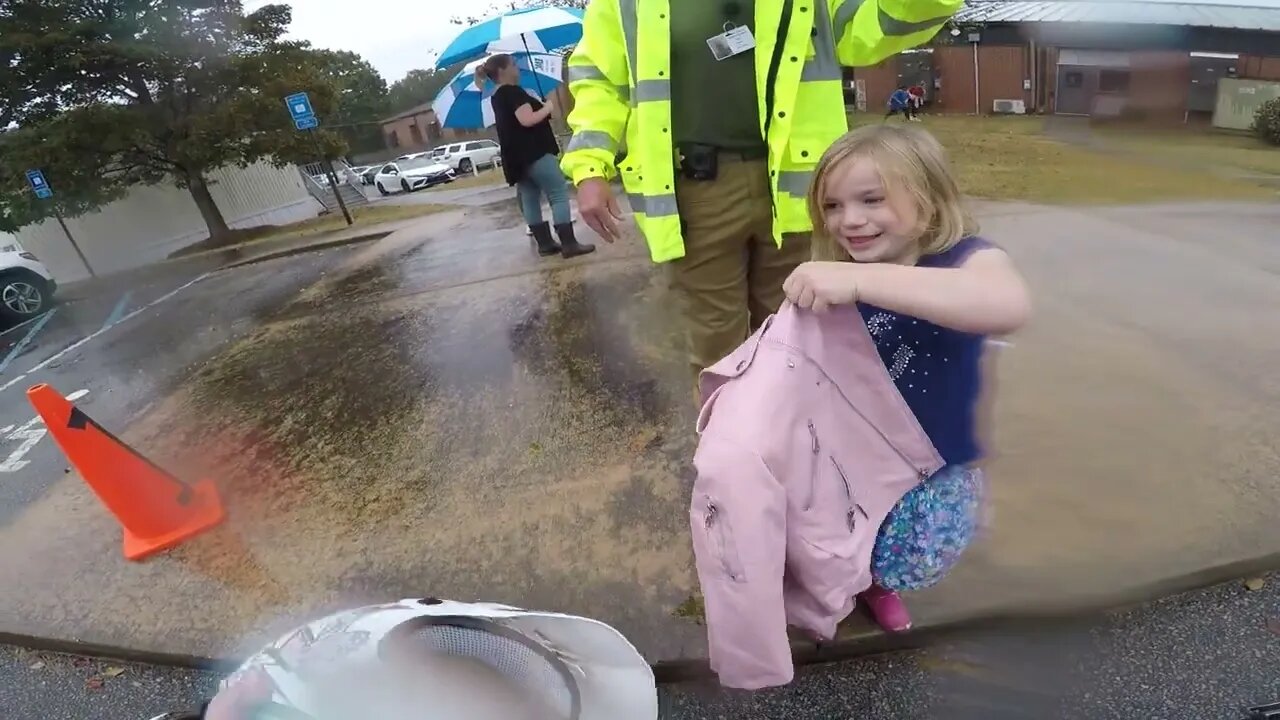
1206, 70
1076, 87
916, 68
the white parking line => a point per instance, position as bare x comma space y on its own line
75, 345
26, 339
30, 433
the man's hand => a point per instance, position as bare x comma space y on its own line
819, 285
240, 699
599, 208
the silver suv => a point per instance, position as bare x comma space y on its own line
467, 156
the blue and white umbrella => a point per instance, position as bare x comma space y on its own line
461, 104
536, 30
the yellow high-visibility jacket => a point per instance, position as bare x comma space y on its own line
620, 78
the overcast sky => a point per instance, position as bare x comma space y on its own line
395, 35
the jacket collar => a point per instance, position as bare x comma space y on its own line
838, 344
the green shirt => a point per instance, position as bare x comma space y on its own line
713, 101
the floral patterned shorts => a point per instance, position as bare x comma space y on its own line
925, 533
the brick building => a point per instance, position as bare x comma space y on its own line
1149, 59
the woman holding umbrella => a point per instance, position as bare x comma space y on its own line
529, 153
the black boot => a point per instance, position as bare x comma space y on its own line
542, 236
569, 245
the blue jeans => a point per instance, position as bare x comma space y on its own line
544, 177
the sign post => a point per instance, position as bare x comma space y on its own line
305, 120
40, 186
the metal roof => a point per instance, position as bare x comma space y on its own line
1259, 15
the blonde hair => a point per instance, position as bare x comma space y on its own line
910, 161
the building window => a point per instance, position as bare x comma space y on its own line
1073, 79
393, 139
1113, 81
416, 134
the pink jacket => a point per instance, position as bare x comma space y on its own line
805, 447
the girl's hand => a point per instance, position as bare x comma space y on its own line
819, 285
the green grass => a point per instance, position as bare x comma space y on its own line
1011, 158
1200, 148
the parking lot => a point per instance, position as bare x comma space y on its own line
118, 348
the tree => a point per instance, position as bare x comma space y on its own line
112, 93
418, 87
362, 99
1266, 121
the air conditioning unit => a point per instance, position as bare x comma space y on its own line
1010, 107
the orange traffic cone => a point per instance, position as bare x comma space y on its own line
156, 509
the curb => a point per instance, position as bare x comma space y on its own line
860, 643
301, 249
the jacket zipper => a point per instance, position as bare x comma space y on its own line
921, 473
855, 509
717, 532
815, 449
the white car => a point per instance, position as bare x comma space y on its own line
409, 175
26, 286
467, 156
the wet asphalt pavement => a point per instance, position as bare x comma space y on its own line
1206, 655
123, 347
443, 413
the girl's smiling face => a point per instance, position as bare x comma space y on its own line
869, 222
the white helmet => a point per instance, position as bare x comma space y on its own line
439, 659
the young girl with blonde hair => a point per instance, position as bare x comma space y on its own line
892, 235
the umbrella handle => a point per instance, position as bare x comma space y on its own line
542, 95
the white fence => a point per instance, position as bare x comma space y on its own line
149, 223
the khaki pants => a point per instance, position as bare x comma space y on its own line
732, 273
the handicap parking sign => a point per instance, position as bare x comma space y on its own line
304, 117
299, 106
39, 184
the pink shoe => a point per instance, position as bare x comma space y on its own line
888, 609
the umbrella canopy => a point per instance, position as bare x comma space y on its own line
537, 29
463, 105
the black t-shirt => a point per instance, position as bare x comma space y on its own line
521, 146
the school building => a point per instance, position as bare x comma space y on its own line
1143, 59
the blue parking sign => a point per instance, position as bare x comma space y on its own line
38, 184
299, 106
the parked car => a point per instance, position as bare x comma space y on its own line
369, 173
467, 156
26, 285
414, 174
357, 173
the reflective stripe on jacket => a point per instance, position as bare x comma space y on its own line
620, 79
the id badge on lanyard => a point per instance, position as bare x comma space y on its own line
735, 40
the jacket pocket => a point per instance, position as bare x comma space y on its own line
815, 464
835, 521
853, 512
717, 538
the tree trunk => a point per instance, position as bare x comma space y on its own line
208, 208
